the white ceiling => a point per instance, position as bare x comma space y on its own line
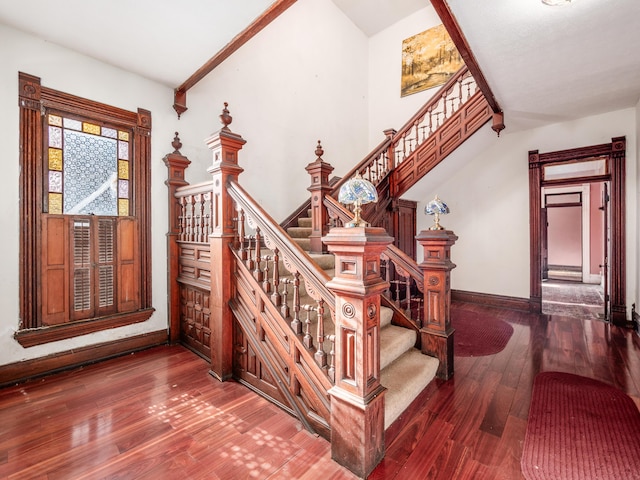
544, 64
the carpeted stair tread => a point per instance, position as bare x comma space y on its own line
299, 232
404, 379
394, 342
305, 222
386, 315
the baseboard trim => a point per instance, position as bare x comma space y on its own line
491, 300
29, 369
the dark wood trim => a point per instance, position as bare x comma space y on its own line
491, 300
36, 100
273, 12
615, 152
28, 369
39, 336
451, 24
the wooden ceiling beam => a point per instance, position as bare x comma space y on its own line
180, 93
451, 24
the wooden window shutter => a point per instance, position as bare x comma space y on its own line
106, 265
82, 305
55, 270
128, 264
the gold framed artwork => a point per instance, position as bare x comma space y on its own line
429, 59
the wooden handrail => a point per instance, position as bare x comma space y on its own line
293, 256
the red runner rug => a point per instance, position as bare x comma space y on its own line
580, 429
477, 335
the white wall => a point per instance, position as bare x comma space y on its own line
73, 73
300, 80
386, 108
487, 190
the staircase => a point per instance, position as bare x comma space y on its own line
404, 370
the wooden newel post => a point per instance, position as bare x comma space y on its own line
436, 331
357, 398
225, 146
176, 164
319, 172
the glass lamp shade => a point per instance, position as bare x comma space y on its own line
358, 192
436, 207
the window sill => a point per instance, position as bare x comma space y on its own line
42, 335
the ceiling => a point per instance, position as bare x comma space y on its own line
544, 64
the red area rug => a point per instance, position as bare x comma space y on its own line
580, 429
477, 335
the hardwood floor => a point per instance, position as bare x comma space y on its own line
158, 414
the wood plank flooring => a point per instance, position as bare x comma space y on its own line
158, 414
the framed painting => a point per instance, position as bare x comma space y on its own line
429, 59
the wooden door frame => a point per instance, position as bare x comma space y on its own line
615, 152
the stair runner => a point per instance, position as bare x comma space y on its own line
404, 370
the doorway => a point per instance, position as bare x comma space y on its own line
575, 247
583, 165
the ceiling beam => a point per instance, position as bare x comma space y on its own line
451, 24
180, 93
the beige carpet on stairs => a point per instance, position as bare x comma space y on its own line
405, 371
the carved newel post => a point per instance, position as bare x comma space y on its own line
319, 172
176, 164
225, 146
357, 398
436, 331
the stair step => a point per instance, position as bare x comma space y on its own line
299, 232
386, 315
305, 243
394, 342
404, 379
304, 222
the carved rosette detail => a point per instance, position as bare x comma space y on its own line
371, 310
433, 281
348, 310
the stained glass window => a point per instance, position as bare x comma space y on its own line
88, 167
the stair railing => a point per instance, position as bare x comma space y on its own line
405, 294
398, 146
278, 272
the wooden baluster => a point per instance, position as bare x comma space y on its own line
257, 272
183, 219
284, 309
243, 250
275, 296
192, 223
321, 355
209, 214
331, 373
266, 284
296, 325
307, 340
249, 261
408, 296
202, 233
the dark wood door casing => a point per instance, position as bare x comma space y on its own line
615, 153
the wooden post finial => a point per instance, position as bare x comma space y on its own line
176, 144
225, 118
319, 151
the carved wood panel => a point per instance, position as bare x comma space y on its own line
195, 318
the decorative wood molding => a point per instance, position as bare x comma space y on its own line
273, 12
491, 300
615, 152
28, 369
459, 40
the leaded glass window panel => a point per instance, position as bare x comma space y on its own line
89, 166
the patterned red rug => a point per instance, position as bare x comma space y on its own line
580, 429
477, 335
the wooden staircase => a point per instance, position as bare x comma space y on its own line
405, 371
331, 347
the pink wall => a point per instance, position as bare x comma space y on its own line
564, 235
597, 227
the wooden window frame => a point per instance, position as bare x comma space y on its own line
34, 100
